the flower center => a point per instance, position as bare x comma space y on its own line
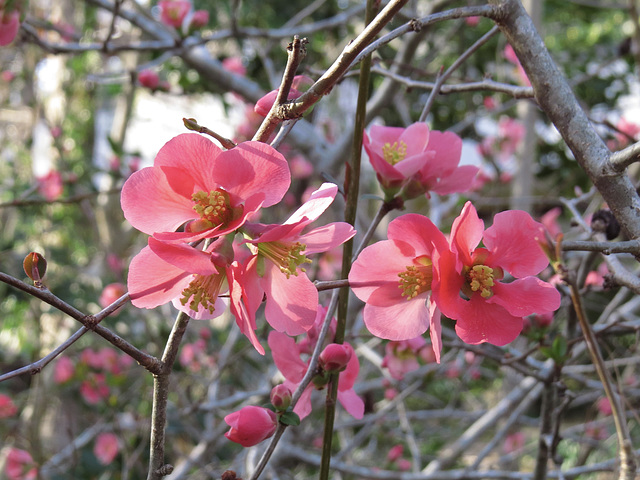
214, 209
203, 291
480, 279
416, 279
286, 256
395, 153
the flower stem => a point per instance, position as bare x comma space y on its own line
353, 184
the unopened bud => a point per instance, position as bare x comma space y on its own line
280, 397
35, 267
334, 357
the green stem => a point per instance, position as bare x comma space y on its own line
353, 185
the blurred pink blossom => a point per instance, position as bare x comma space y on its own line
20, 465
7, 407
50, 185
9, 25
63, 370
106, 448
94, 388
235, 65
513, 442
395, 452
604, 406
7, 76
173, 12
511, 56
199, 19
149, 78
111, 293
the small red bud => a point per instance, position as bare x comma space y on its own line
280, 397
334, 357
35, 267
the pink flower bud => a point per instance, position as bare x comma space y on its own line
395, 452
334, 357
106, 448
200, 19
251, 425
9, 25
20, 465
174, 11
280, 397
7, 407
149, 79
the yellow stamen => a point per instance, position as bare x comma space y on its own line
203, 291
214, 209
395, 153
288, 257
480, 278
416, 279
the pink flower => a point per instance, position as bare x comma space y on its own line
265, 103
192, 279
50, 185
199, 19
395, 452
471, 290
626, 131
235, 65
550, 222
9, 26
596, 277
20, 465
401, 357
106, 448
395, 277
7, 407
419, 159
251, 425
604, 406
7, 76
213, 191
94, 389
276, 267
63, 370
472, 21
111, 293
149, 78
513, 442
287, 355
174, 12
511, 56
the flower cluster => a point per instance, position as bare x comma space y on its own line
180, 15
196, 195
408, 280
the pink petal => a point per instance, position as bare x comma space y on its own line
525, 296
399, 321
9, 26
418, 232
352, 403
286, 356
151, 203
417, 138
466, 232
486, 322
303, 407
446, 284
152, 281
317, 203
435, 329
447, 148
325, 238
292, 302
348, 377
245, 296
411, 165
184, 257
460, 180
512, 240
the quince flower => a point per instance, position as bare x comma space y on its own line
9, 25
212, 191
395, 278
422, 160
471, 289
279, 254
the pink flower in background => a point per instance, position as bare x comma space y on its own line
7, 76
292, 360
7, 407
395, 277
173, 12
111, 293
511, 56
94, 388
513, 442
401, 357
627, 132
425, 160
265, 103
149, 78
199, 19
395, 453
550, 222
9, 26
212, 191
472, 21
106, 448
471, 290
251, 425
279, 255
192, 279
604, 406
20, 465
235, 65
596, 277
50, 185
63, 370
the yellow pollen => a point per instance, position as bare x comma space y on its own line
286, 256
393, 154
415, 280
203, 292
214, 208
480, 278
